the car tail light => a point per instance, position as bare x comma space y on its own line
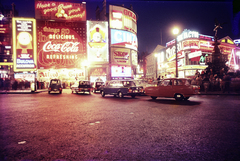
60, 89
49, 89
79, 89
196, 88
130, 90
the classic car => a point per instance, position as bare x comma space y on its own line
55, 85
178, 88
97, 86
82, 86
121, 88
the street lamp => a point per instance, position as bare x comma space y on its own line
175, 32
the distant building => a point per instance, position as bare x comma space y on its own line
6, 56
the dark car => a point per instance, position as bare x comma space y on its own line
55, 85
97, 86
122, 88
82, 86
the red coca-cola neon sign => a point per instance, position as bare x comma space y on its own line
60, 45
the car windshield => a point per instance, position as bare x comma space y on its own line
99, 83
54, 81
84, 83
128, 83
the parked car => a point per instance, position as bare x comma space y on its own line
121, 88
178, 88
55, 85
97, 86
82, 86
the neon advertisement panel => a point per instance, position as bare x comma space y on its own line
61, 44
121, 38
121, 71
97, 41
120, 56
24, 44
122, 18
51, 10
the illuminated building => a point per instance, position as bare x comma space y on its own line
61, 38
194, 51
124, 42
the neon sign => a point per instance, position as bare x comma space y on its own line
24, 46
122, 18
125, 39
121, 71
61, 46
60, 11
120, 56
187, 34
97, 41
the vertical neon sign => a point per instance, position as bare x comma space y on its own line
24, 44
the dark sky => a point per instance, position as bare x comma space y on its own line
155, 17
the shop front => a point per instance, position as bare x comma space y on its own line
67, 76
98, 74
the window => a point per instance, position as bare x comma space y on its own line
178, 82
166, 83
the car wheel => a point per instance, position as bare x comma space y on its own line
186, 98
178, 97
153, 97
48, 92
120, 95
60, 92
103, 93
133, 96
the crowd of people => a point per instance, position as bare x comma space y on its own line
213, 82
14, 84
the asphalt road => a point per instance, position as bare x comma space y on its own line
64, 127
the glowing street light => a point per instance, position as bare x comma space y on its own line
175, 31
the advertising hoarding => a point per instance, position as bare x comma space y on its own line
121, 71
190, 44
98, 71
61, 44
134, 57
67, 74
97, 41
51, 10
122, 18
120, 56
24, 44
126, 39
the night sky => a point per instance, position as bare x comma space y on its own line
156, 17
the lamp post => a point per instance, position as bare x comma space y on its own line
175, 32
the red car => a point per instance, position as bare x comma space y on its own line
178, 88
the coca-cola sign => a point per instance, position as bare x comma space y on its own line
61, 44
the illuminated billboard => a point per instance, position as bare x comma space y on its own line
97, 41
51, 10
61, 44
24, 44
121, 38
121, 71
120, 56
134, 57
122, 18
